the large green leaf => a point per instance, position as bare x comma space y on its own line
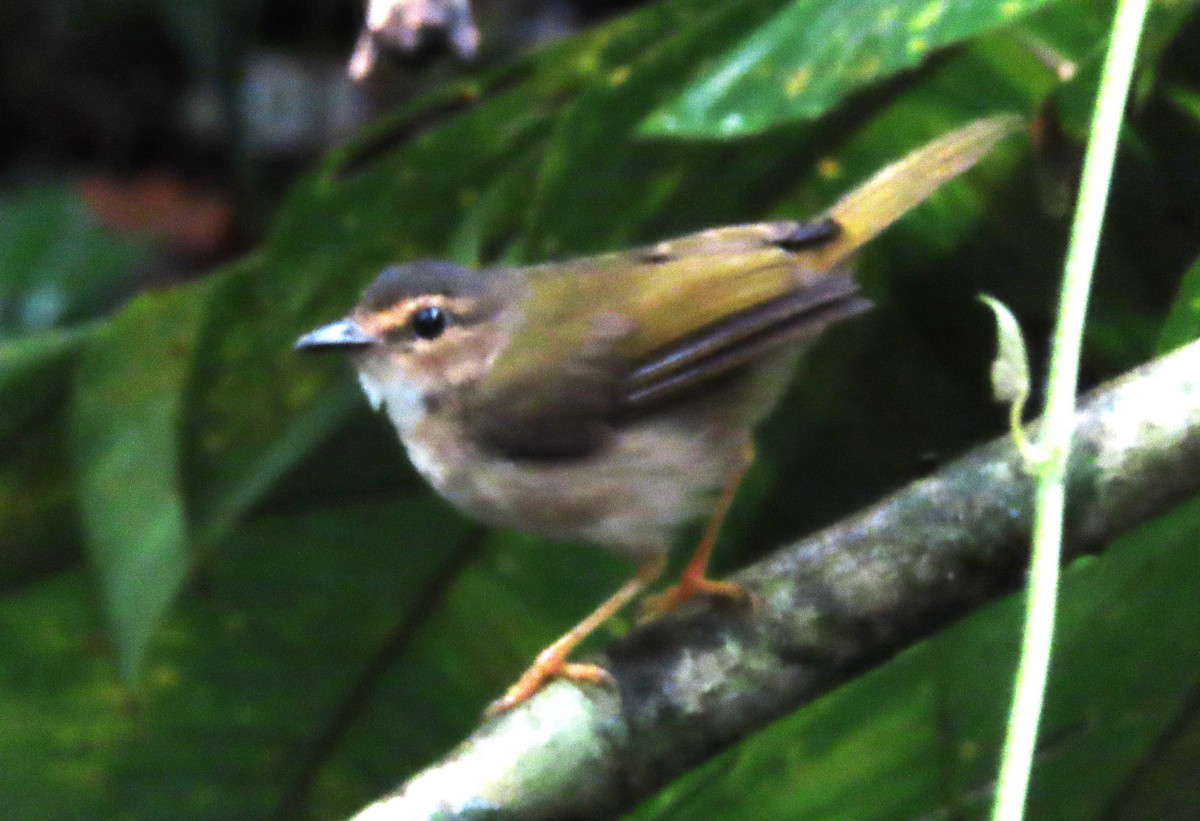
814, 53
36, 488
34, 375
126, 418
600, 189
495, 614
243, 679
1166, 786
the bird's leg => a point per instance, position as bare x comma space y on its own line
552, 662
693, 581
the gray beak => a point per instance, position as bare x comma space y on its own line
343, 335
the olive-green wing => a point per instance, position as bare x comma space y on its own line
598, 335
573, 362
815, 256
740, 339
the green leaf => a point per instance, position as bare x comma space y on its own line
37, 503
126, 415
815, 53
242, 681
514, 597
36, 487
599, 189
1167, 785
1010, 368
34, 373
1182, 324
1187, 101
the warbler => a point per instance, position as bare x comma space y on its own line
613, 398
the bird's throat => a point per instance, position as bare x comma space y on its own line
400, 398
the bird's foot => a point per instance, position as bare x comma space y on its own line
540, 674
688, 588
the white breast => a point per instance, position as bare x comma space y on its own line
405, 407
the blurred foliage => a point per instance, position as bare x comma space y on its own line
59, 267
845, 44
275, 618
1182, 324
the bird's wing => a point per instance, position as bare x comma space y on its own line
599, 336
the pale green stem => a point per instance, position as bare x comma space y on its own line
1060, 406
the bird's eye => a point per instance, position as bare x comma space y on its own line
428, 323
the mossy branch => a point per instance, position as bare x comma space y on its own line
831, 605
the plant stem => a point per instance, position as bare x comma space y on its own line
1060, 405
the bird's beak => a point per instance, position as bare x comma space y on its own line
343, 335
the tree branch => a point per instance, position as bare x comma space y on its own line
831, 605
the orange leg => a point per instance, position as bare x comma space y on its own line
552, 662
693, 581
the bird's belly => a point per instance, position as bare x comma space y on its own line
652, 476
632, 496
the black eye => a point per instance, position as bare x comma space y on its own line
428, 323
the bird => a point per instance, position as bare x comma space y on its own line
612, 399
